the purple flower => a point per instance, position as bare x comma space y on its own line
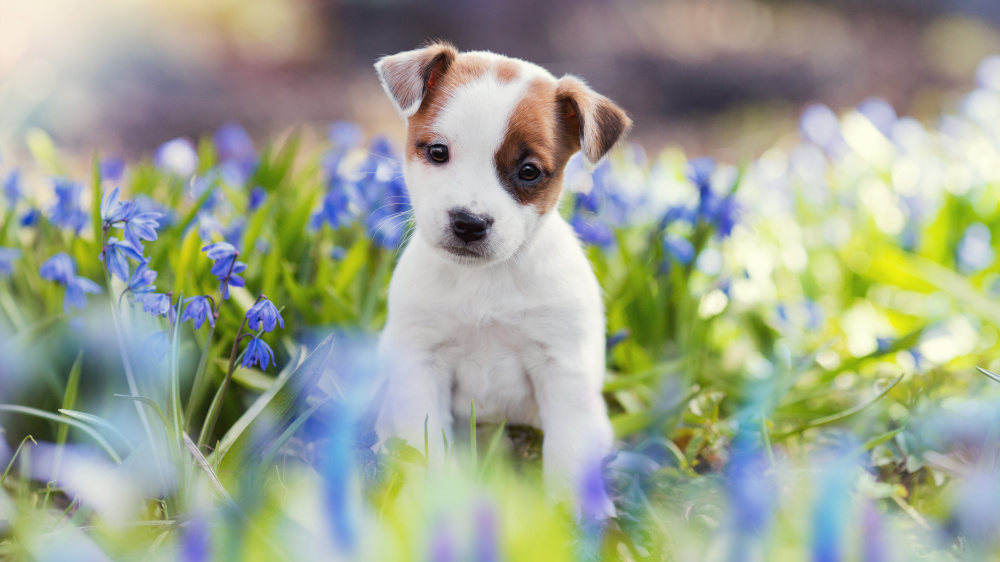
67, 213
8, 255
678, 248
157, 304
157, 345
177, 156
232, 143
196, 541
117, 254
617, 337
592, 230
487, 543
264, 313
59, 268
112, 169
975, 249
31, 217
12, 188
225, 268
345, 134
113, 210
62, 269
76, 291
197, 310
256, 198
141, 281
259, 353
142, 226
880, 113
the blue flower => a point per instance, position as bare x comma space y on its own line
177, 156
12, 188
197, 310
880, 113
157, 304
8, 255
225, 268
264, 313
345, 134
487, 543
142, 280
118, 253
67, 213
157, 345
257, 352
76, 291
31, 217
975, 249
62, 269
820, 126
833, 509
617, 337
59, 268
256, 198
142, 226
752, 489
679, 248
721, 212
113, 210
232, 143
592, 230
335, 208
219, 251
112, 169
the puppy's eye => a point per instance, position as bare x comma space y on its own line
529, 172
438, 153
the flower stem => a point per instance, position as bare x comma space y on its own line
198, 387
216, 407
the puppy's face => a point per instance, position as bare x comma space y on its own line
488, 138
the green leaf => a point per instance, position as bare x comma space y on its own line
69, 396
64, 420
241, 451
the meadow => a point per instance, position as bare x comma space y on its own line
801, 353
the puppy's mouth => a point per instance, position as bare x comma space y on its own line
467, 252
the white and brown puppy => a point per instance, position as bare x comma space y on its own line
493, 300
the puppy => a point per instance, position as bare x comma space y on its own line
493, 299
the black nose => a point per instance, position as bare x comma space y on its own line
469, 227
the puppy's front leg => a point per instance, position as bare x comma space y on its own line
578, 434
419, 390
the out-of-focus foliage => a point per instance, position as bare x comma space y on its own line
792, 352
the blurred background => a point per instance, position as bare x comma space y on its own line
722, 77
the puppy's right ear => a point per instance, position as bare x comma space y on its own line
408, 76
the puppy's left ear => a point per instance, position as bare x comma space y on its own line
408, 76
595, 124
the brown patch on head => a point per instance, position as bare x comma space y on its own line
599, 123
407, 76
538, 133
466, 68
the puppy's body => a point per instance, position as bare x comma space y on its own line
493, 300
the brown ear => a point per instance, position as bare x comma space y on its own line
598, 123
407, 76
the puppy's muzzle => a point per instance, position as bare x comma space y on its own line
469, 227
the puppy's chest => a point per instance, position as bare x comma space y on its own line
490, 360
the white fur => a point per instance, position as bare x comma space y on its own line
520, 331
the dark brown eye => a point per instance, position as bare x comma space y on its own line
438, 153
529, 172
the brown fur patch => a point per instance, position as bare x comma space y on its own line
466, 68
601, 123
538, 133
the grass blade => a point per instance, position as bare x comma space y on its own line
65, 420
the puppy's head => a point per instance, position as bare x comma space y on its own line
488, 138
